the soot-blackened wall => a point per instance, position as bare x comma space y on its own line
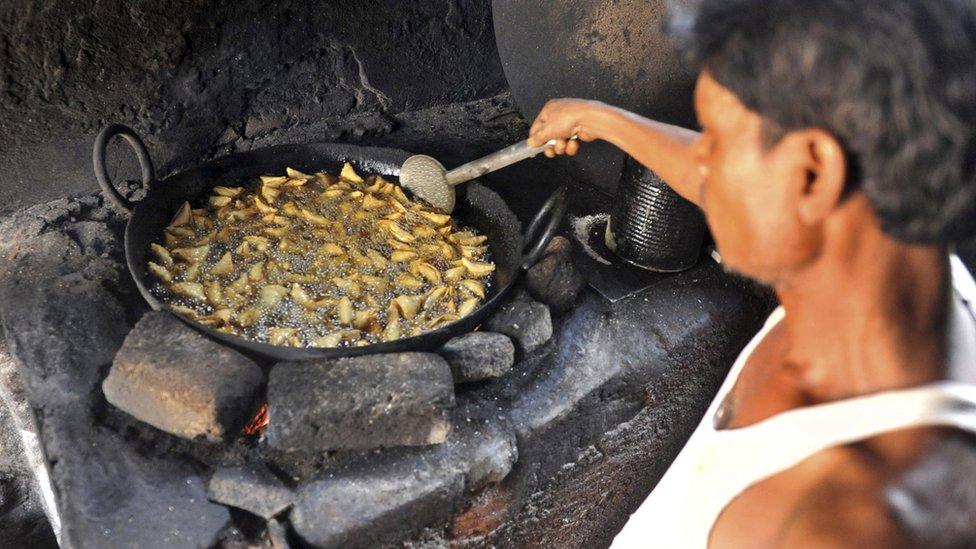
199, 78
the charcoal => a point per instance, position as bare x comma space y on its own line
175, 379
479, 356
555, 280
527, 322
94, 238
253, 488
363, 402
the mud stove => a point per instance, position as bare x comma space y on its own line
544, 425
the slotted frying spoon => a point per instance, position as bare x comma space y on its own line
428, 180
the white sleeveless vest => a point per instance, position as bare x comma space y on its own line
716, 465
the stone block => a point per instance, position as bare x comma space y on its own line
62, 315
253, 488
399, 399
528, 323
178, 380
373, 510
400, 492
479, 356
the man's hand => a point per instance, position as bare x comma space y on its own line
561, 119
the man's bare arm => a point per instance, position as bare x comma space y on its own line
667, 150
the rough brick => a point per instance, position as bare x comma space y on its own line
178, 380
370, 401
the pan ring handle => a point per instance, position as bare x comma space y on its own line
543, 227
101, 173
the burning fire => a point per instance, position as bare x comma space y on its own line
259, 422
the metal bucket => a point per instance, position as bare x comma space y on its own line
651, 226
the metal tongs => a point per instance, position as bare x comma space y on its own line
428, 180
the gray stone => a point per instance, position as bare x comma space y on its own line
175, 379
373, 508
109, 495
62, 311
527, 322
555, 280
479, 356
252, 488
397, 494
360, 402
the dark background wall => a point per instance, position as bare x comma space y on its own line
200, 78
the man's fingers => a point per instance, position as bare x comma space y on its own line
540, 138
536, 126
549, 152
572, 147
560, 146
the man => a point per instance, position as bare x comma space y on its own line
836, 163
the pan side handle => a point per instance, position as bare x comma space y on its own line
543, 227
98, 162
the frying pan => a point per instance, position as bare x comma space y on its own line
477, 207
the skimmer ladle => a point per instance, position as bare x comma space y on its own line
428, 180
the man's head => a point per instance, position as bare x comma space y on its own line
804, 103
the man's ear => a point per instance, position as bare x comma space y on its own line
826, 166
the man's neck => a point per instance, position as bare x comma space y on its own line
869, 314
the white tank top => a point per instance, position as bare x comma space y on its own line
716, 465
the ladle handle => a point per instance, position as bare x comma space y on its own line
495, 161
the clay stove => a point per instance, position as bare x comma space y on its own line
545, 427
